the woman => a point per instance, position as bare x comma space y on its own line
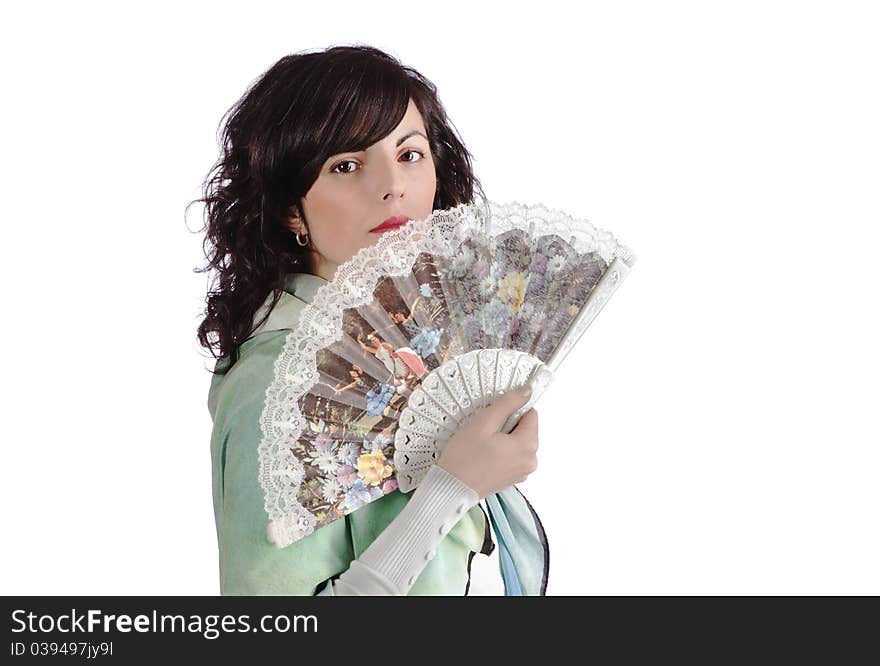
323, 148
404, 365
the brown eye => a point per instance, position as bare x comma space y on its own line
417, 152
334, 169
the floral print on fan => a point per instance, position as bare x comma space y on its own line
517, 291
343, 475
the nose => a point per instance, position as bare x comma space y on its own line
395, 184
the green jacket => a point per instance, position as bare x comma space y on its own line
251, 565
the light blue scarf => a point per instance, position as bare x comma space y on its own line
524, 553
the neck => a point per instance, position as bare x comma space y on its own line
321, 267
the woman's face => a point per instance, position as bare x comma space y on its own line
356, 192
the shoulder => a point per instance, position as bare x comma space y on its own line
283, 316
245, 383
253, 371
299, 290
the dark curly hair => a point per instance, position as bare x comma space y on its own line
303, 110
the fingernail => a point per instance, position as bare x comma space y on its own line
526, 390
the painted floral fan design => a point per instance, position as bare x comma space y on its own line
412, 336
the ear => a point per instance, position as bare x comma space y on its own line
294, 220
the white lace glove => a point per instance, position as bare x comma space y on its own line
392, 563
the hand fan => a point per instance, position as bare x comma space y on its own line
413, 335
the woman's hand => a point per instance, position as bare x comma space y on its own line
488, 460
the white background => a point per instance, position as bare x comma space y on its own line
714, 432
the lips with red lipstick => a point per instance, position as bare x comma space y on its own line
390, 224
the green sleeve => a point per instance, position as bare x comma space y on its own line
249, 563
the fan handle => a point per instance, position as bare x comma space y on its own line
539, 381
543, 374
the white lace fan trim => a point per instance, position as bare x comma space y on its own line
319, 326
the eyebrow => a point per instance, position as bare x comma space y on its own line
408, 135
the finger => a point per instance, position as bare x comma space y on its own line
495, 414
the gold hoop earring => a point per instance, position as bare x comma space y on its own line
301, 243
